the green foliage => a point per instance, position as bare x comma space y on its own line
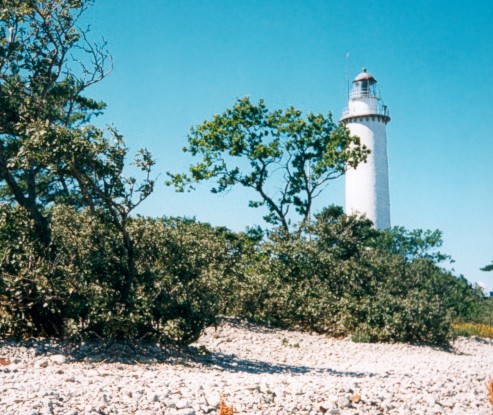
27, 297
75, 263
286, 158
190, 266
413, 244
342, 282
71, 253
46, 64
49, 153
408, 303
482, 313
485, 312
488, 267
184, 270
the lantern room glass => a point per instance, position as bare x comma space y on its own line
364, 88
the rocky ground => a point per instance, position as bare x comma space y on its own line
259, 370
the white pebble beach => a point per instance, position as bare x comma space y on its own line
261, 371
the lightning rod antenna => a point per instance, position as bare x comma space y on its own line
347, 73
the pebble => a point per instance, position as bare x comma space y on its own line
257, 369
59, 359
41, 364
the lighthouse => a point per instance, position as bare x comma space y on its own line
367, 186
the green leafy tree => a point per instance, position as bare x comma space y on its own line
46, 64
488, 267
412, 244
286, 158
96, 177
49, 152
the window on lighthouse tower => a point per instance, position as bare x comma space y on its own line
364, 87
361, 89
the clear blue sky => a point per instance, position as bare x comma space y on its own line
176, 63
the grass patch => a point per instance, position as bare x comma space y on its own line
473, 329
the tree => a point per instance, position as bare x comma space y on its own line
49, 151
286, 158
46, 64
488, 267
412, 244
92, 166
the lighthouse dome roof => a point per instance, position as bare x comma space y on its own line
363, 75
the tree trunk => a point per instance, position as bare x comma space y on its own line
41, 223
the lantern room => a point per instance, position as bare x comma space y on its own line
365, 99
364, 86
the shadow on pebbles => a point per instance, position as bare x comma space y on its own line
260, 370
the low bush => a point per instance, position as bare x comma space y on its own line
189, 267
30, 298
343, 281
340, 278
74, 289
482, 313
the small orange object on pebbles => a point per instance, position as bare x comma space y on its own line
4, 362
355, 398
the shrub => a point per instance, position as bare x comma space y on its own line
407, 302
481, 313
66, 289
343, 281
189, 267
30, 300
285, 288
183, 269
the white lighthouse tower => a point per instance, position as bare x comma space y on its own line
367, 186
